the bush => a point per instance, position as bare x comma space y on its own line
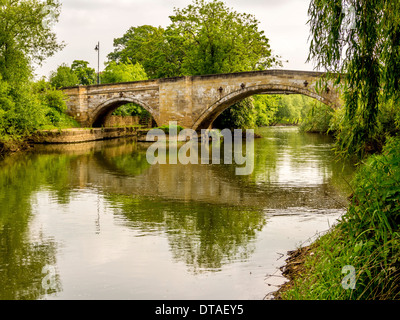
241, 115
131, 109
27, 107
52, 101
352, 138
167, 128
318, 118
22, 111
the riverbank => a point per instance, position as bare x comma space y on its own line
294, 267
359, 258
12, 145
9, 146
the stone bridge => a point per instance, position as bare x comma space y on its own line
192, 101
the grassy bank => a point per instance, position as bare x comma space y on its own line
366, 238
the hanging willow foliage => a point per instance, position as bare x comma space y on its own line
358, 43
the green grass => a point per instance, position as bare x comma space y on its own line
367, 238
166, 128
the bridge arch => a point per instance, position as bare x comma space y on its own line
103, 110
208, 116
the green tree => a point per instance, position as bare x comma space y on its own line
26, 39
26, 36
362, 49
123, 72
78, 74
318, 118
241, 115
216, 39
64, 76
266, 107
21, 110
142, 44
85, 74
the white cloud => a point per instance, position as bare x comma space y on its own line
85, 22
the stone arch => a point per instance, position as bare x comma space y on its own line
103, 110
207, 117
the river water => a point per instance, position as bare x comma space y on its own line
97, 221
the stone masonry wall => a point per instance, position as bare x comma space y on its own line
81, 135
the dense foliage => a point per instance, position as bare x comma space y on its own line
64, 76
358, 42
78, 74
85, 74
317, 118
143, 45
26, 38
123, 72
203, 38
267, 110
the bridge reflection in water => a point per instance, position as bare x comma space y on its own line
120, 167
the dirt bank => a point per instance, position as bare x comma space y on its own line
293, 268
12, 146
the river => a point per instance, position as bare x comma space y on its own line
97, 221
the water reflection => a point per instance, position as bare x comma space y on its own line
93, 209
204, 236
23, 252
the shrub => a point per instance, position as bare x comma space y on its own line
352, 138
167, 128
318, 118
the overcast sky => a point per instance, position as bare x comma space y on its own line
85, 22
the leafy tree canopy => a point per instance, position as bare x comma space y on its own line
141, 45
64, 76
85, 74
203, 38
78, 74
358, 41
123, 72
26, 36
26, 39
216, 39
